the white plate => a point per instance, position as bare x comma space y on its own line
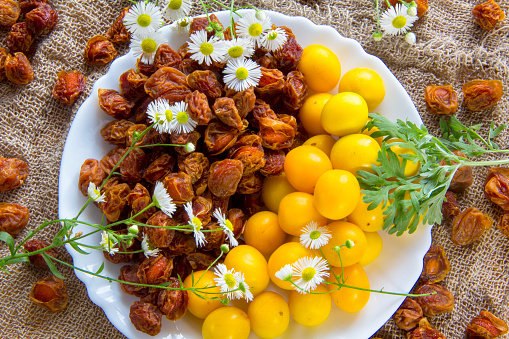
397, 268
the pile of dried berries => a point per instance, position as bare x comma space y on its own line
41, 19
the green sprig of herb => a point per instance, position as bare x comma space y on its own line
419, 198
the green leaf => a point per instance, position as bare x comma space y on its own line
101, 268
9, 240
52, 266
16, 260
57, 241
77, 248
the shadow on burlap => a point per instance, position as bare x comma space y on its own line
450, 49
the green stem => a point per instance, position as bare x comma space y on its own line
486, 163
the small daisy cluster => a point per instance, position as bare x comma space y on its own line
170, 118
232, 283
397, 20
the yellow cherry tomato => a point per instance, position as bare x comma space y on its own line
342, 231
365, 82
321, 67
349, 299
274, 189
296, 210
304, 165
286, 254
325, 142
367, 220
373, 249
355, 152
249, 261
269, 315
311, 112
310, 309
262, 231
227, 322
411, 168
337, 192
201, 307
371, 131
345, 113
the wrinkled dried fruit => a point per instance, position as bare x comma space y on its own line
3, 58
486, 326
422, 5
274, 163
159, 167
114, 104
114, 201
18, 69
133, 165
99, 51
226, 111
425, 331
13, 218
496, 186
408, 315
271, 85
219, 137
129, 273
90, 171
118, 32
435, 265
503, 224
441, 99
197, 24
155, 270
295, 90
28, 5
250, 184
199, 109
50, 293
164, 80
9, 12
224, 177
13, 173
132, 84
115, 132
166, 57
179, 187
20, 38
276, 134
145, 317
288, 56
205, 82
69, 86
183, 139
488, 14
469, 226
33, 245
479, 95
244, 101
195, 165
261, 110
441, 302
450, 205
42, 19
160, 237
463, 177
145, 68
173, 303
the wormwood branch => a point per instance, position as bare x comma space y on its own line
419, 197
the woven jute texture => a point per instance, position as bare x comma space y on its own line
450, 49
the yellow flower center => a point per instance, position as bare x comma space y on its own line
169, 115
148, 45
235, 51
197, 223
182, 118
206, 48
255, 29
229, 225
308, 273
399, 22
272, 36
183, 23
314, 235
175, 4
229, 279
241, 73
144, 20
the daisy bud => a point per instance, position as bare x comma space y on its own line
410, 38
377, 36
225, 301
336, 249
349, 243
134, 229
412, 11
209, 28
260, 15
224, 248
136, 135
189, 147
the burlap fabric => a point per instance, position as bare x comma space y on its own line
450, 49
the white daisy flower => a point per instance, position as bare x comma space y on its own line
182, 25
309, 273
273, 39
232, 283
250, 27
143, 18
177, 9
162, 199
285, 273
395, 20
108, 243
94, 193
148, 249
314, 237
206, 51
183, 122
227, 227
195, 222
159, 111
238, 48
240, 74
145, 44
410, 38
